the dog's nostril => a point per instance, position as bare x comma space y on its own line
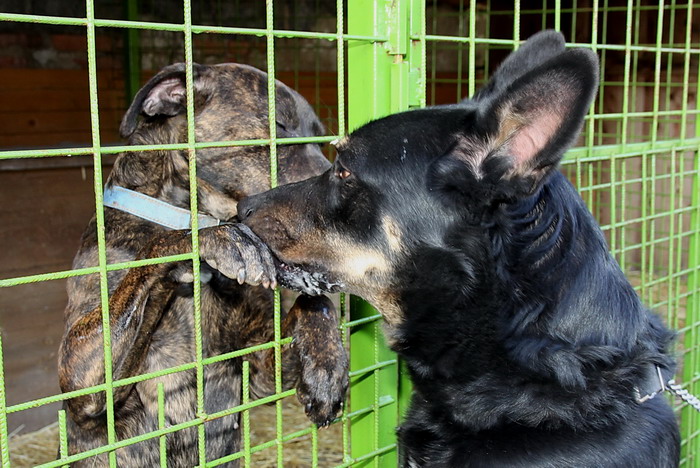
245, 209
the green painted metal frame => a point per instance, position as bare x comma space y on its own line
369, 97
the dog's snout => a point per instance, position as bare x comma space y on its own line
246, 208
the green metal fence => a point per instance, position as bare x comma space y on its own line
636, 165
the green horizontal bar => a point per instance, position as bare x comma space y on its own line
91, 270
670, 113
603, 152
142, 377
632, 180
481, 40
165, 147
582, 9
368, 456
197, 422
197, 29
384, 401
161, 432
355, 323
645, 84
373, 367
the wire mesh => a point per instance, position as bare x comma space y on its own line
636, 162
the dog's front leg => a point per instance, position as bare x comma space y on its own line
135, 307
315, 362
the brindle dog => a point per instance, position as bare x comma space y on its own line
151, 307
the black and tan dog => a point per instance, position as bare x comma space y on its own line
526, 345
151, 308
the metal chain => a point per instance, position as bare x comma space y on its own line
683, 394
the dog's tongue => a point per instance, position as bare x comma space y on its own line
298, 279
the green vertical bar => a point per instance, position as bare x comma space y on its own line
472, 49
314, 446
345, 318
686, 70
4, 442
433, 53
340, 83
690, 421
62, 436
516, 24
196, 296
377, 78
246, 414
690, 359
162, 442
272, 121
693, 303
657, 72
100, 226
340, 56
416, 57
460, 49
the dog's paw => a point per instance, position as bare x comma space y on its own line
323, 373
322, 398
237, 253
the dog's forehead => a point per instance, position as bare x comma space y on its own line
250, 84
398, 138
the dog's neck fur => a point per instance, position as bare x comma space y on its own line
165, 174
494, 333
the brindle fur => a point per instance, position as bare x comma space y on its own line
151, 307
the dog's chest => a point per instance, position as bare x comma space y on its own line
174, 339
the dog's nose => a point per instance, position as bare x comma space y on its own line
245, 209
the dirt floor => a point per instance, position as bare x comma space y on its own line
31, 449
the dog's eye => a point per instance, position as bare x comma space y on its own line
281, 128
343, 173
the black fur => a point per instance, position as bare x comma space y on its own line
525, 342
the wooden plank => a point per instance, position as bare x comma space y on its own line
58, 99
31, 318
56, 139
44, 213
82, 160
48, 122
29, 78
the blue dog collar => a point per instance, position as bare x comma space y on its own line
152, 209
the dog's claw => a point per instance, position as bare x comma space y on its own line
241, 276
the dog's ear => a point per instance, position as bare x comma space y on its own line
164, 94
537, 50
516, 137
535, 120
